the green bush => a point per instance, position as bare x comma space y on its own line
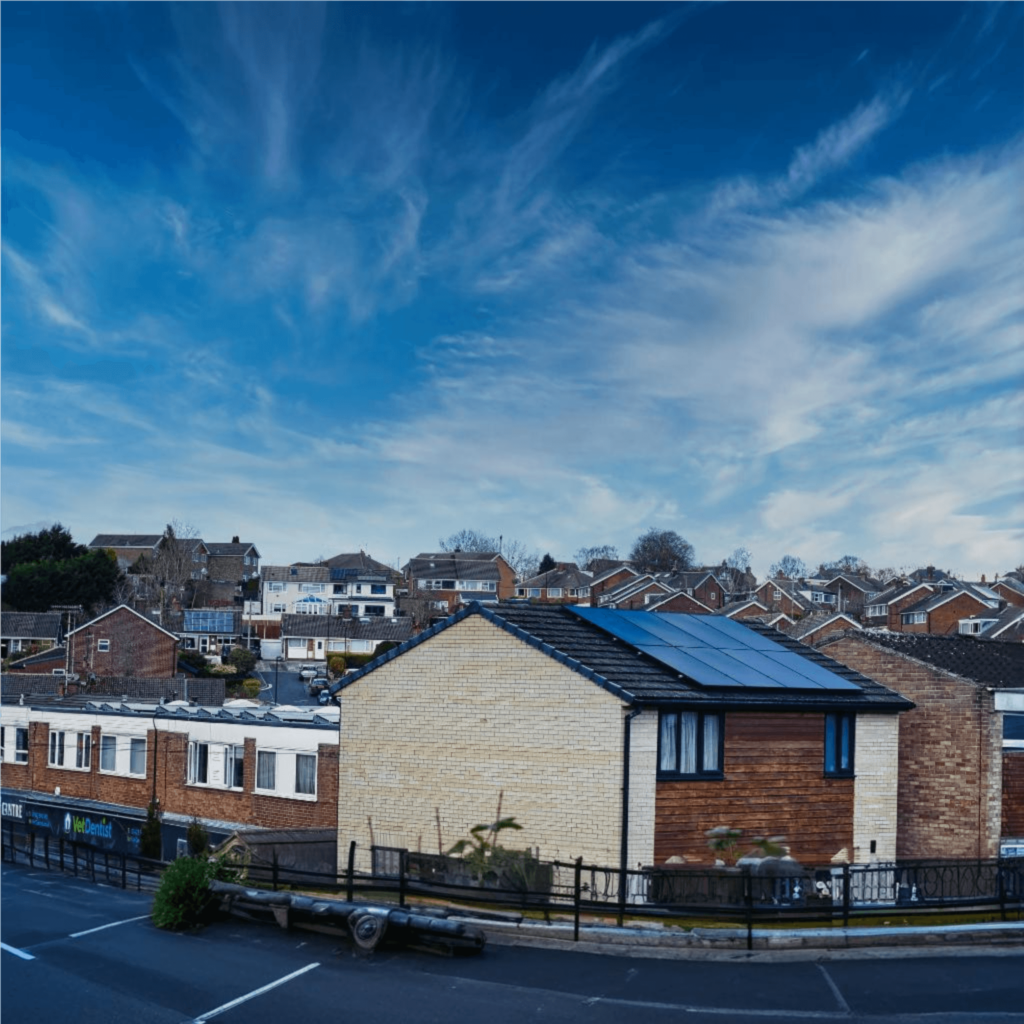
336, 663
184, 897
195, 660
242, 659
251, 687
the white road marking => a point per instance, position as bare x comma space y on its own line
254, 994
843, 1005
17, 952
113, 924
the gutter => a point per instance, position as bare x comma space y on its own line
627, 723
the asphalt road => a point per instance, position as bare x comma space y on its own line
290, 688
72, 950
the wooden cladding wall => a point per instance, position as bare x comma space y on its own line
774, 785
1013, 795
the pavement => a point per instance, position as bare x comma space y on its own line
768, 943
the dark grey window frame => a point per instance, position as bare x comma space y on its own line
701, 774
839, 742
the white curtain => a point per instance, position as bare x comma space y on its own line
305, 773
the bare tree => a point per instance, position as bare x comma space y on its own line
586, 557
523, 561
740, 559
175, 567
661, 551
469, 540
790, 566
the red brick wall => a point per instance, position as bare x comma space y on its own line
137, 648
774, 785
167, 753
609, 584
1013, 794
704, 593
946, 618
683, 603
1008, 594
895, 622
949, 793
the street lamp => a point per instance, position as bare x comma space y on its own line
277, 665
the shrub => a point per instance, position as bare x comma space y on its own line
198, 838
251, 687
196, 661
242, 659
184, 897
336, 664
149, 841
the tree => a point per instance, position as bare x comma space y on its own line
547, 563
88, 579
740, 559
51, 545
173, 564
243, 660
586, 557
790, 566
469, 540
661, 551
523, 561
847, 563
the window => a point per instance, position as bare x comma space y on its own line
108, 753
912, 618
56, 750
21, 746
690, 744
776, 595
275, 588
378, 588
373, 609
266, 770
235, 766
103, 645
554, 591
305, 774
839, 744
277, 608
137, 757
198, 763
341, 588
311, 588
490, 586
875, 610
533, 592
447, 584
83, 750
712, 595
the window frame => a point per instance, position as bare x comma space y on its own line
839, 743
83, 751
103, 646
303, 792
20, 752
702, 773
55, 746
108, 745
133, 741
260, 754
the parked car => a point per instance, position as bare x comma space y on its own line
318, 684
309, 671
325, 697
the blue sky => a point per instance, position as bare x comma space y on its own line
343, 276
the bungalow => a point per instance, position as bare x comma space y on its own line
620, 737
313, 637
961, 787
27, 633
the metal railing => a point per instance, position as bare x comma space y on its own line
773, 892
55, 853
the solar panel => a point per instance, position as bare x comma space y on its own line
209, 622
714, 651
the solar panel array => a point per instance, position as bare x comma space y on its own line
714, 651
209, 622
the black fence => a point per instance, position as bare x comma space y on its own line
19, 845
772, 891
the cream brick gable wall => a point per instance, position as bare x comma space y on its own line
473, 712
876, 758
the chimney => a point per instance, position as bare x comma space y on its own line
235, 540
931, 572
982, 577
